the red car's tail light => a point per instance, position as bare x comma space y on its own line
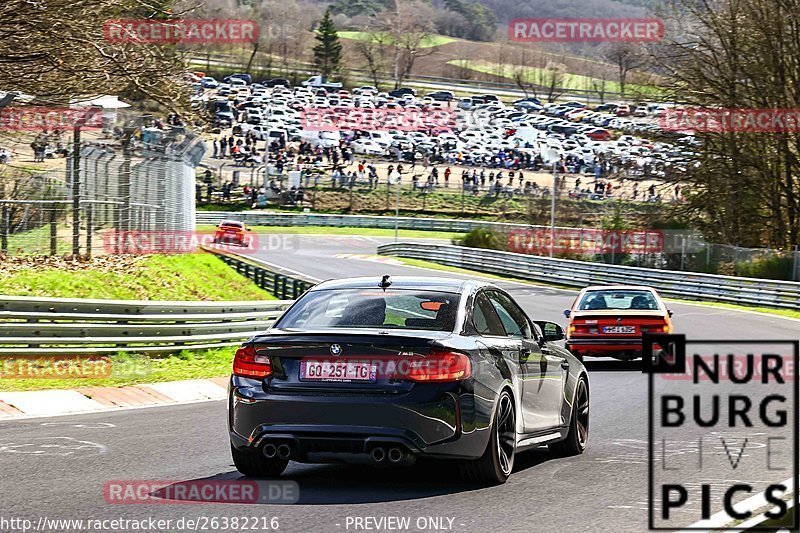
440, 366
248, 364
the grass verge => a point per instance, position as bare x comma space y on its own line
540, 76
364, 232
197, 276
132, 369
428, 41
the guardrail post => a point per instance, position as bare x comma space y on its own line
4, 229
283, 287
295, 288
89, 223
275, 281
53, 230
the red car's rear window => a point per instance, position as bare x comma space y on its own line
623, 300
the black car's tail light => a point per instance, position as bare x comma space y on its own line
440, 365
248, 364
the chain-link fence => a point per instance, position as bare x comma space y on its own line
142, 180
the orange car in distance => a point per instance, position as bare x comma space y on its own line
232, 232
609, 320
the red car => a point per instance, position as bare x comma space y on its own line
232, 232
608, 320
599, 134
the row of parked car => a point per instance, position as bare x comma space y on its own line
477, 130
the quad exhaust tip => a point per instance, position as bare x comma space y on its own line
395, 455
284, 451
378, 454
270, 451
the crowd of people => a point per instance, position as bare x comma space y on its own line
505, 175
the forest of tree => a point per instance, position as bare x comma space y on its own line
740, 54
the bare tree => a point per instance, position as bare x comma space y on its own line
626, 57
739, 55
599, 84
57, 51
409, 24
553, 80
373, 51
522, 73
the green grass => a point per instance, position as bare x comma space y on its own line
197, 276
365, 232
536, 75
131, 369
428, 42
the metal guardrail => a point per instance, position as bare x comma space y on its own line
51, 326
261, 218
688, 285
281, 285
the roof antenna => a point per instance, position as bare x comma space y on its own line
385, 283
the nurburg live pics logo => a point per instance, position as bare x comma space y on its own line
722, 433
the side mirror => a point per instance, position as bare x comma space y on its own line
551, 331
567, 313
669, 312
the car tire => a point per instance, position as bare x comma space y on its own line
497, 461
578, 435
253, 464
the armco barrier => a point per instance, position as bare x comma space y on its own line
689, 285
281, 285
262, 218
47, 326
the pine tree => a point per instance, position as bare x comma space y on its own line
328, 50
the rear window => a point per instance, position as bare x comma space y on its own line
373, 308
231, 225
620, 300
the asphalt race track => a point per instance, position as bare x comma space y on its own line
58, 467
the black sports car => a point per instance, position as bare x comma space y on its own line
388, 371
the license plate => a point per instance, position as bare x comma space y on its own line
341, 371
619, 329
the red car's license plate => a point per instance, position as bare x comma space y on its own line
619, 329
337, 371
